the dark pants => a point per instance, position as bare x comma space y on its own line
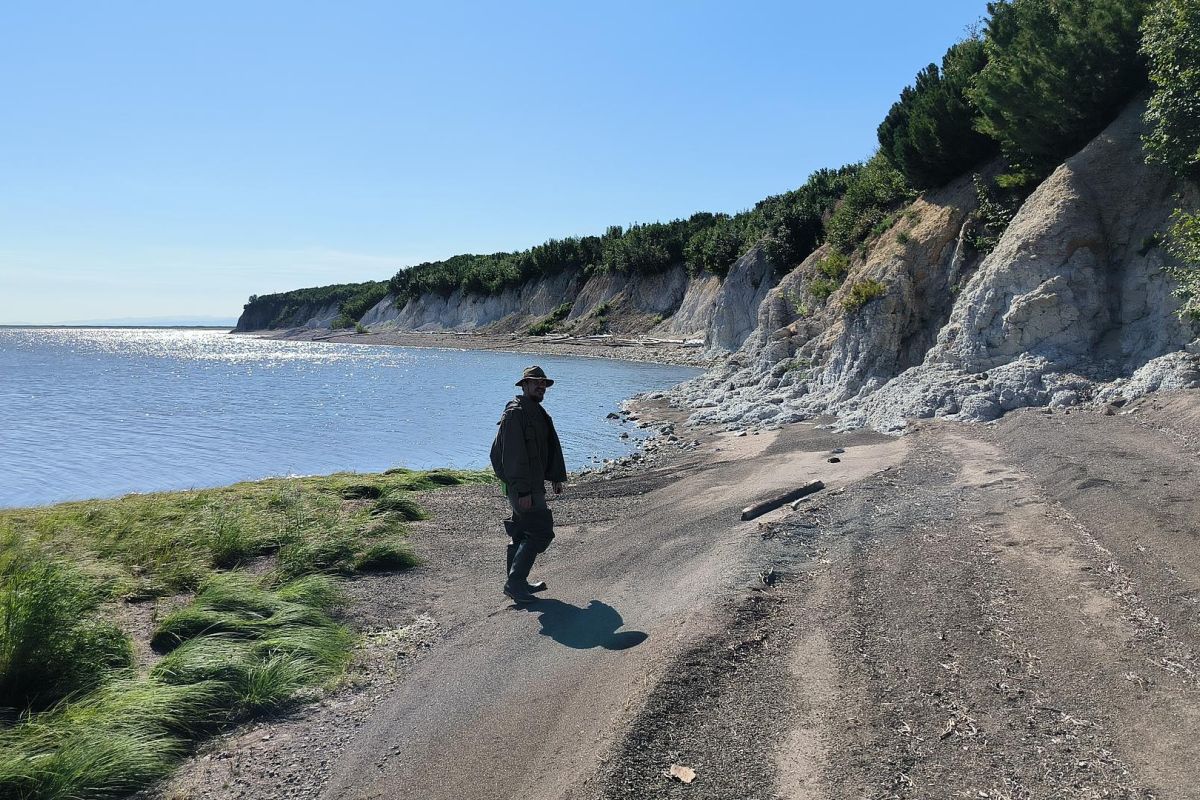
536, 524
531, 532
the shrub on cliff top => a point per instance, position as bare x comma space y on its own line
1057, 72
792, 225
277, 310
929, 134
875, 191
1171, 44
789, 225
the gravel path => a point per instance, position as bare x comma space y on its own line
1011, 612
1001, 611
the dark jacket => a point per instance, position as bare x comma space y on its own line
526, 452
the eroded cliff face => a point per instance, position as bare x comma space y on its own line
309, 316
670, 303
1072, 306
512, 309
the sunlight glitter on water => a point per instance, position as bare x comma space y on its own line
100, 412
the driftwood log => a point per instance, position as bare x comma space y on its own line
758, 509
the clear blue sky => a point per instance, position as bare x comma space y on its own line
170, 159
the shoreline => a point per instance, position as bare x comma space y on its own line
647, 350
727, 606
798, 585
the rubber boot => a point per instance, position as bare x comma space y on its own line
510, 551
517, 586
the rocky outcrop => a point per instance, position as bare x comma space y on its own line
735, 309
669, 303
1071, 306
808, 352
308, 316
692, 317
656, 295
511, 309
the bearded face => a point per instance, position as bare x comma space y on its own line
534, 389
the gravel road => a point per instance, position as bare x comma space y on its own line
1010, 612
999, 611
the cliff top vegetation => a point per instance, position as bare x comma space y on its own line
1037, 80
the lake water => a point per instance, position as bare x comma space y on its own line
102, 412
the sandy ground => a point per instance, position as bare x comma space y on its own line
1009, 612
983, 611
623, 348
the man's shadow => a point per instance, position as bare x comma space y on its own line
584, 628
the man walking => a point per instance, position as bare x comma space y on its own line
525, 454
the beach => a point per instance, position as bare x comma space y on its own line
650, 349
961, 608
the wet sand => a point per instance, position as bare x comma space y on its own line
661, 351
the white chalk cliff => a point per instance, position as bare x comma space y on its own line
667, 304
1071, 306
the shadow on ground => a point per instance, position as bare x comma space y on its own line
584, 628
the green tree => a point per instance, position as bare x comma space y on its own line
1057, 72
714, 247
929, 134
792, 225
1184, 244
1171, 45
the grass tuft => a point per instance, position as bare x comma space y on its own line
229, 540
234, 606
51, 646
335, 553
116, 741
400, 504
361, 491
75, 723
386, 557
315, 591
257, 647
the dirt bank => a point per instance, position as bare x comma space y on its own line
661, 351
988, 611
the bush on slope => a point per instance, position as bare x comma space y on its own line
930, 133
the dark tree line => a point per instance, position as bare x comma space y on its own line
789, 226
930, 134
1171, 45
1042, 80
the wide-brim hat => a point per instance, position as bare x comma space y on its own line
534, 372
